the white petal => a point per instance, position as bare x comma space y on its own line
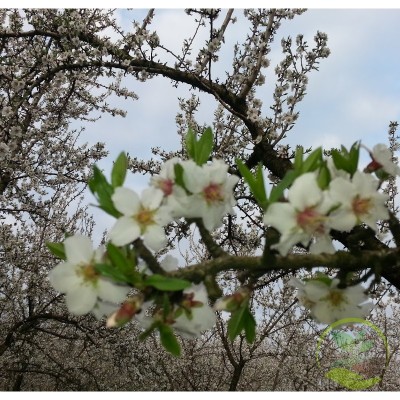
124, 231
154, 237
355, 294
316, 290
281, 216
342, 191
108, 291
81, 300
126, 201
322, 313
64, 277
305, 192
78, 249
342, 220
169, 263
212, 216
152, 198
194, 177
323, 244
163, 215
365, 184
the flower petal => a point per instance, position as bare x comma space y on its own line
305, 192
108, 291
64, 277
126, 201
78, 249
124, 231
154, 237
152, 198
81, 300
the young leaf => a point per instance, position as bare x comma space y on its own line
57, 249
313, 161
324, 177
191, 141
236, 322
103, 192
204, 147
178, 169
353, 157
165, 283
118, 172
298, 158
110, 271
117, 257
277, 191
256, 183
169, 340
249, 326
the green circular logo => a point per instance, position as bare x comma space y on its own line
361, 359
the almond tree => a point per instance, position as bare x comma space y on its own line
59, 66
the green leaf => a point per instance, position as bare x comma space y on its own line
256, 183
277, 191
298, 158
313, 161
57, 249
124, 263
169, 340
191, 141
250, 327
118, 258
204, 147
353, 157
237, 321
110, 271
165, 283
103, 192
118, 172
324, 177
178, 169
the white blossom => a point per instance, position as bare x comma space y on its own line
202, 318
85, 290
359, 202
383, 157
141, 217
328, 303
212, 192
303, 218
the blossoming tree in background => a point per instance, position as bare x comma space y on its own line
258, 217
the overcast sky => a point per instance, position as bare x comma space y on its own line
353, 96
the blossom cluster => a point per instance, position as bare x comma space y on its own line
90, 279
321, 195
205, 191
344, 201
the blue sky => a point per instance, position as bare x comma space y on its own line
352, 97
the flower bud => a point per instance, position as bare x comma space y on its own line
233, 301
126, 312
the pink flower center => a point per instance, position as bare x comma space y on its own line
361, 206
213, 193
166, 185
311, 220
